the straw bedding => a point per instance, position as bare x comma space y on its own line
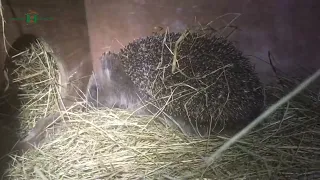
112, 144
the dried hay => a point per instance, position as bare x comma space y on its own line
38, 77
112, 144
109, 144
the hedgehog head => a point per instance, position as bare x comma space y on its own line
110, 86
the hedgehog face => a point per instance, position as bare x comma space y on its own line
103, 93
113, 71
111, 87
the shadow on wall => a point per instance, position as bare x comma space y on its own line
10, 103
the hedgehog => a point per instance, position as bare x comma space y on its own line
201, 83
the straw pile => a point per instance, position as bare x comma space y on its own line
38, 78
112, 144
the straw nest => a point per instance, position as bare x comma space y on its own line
38, 77
112, 144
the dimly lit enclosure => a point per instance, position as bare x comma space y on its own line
142, 89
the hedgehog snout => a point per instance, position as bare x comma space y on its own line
93, 95
107, 74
